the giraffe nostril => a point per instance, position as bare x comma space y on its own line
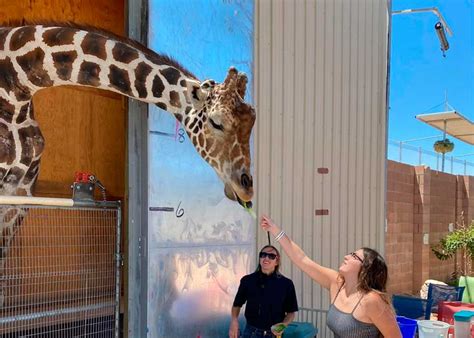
246, 181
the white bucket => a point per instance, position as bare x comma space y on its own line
432, 329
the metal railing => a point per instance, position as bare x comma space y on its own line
409, 154
60, 271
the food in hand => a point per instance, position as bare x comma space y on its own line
278, 328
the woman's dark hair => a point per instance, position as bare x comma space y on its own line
373, 274
277, 268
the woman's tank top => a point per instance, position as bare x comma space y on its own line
344, 325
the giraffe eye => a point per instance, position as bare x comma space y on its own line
216, 126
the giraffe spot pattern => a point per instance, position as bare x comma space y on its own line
32, 65
21, 36
141, 73
157, 87
94, 44
32, 172
32, 144
193, 123
13, 176
3, 35
235, 151
9, 81
7, 145
182, 83
179, 117
124, 53
171, 75
6, 110
209, 143
174, 99
89, 74
162, 105
63, 63
201, 140
24, 110
59, 36
119, 80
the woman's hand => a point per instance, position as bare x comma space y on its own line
268, 225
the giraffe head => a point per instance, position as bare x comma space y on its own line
219, 125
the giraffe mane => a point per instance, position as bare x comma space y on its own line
151, 55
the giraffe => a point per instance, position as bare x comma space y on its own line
214, 115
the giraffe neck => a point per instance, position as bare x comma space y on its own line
36, 57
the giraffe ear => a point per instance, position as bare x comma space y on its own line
199, 91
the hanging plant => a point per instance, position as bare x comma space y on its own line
443, 146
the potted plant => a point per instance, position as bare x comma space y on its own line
461, 240
443, 146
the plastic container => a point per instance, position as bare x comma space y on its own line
462, 323
407, 326
300, 330
432, 329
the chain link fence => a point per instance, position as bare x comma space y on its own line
409, 154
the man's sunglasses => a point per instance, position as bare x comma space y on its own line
354, 255
271, 256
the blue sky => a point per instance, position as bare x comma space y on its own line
420, 75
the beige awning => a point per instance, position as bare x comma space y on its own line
456, 125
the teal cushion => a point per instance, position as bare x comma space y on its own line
300, 330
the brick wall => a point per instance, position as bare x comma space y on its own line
399, 236
421, 203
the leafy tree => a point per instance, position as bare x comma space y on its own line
460, 240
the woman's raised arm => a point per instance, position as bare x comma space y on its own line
320, 274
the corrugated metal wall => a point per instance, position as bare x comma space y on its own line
320, 84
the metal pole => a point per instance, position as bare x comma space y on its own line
400, 152
444, 138
118, 263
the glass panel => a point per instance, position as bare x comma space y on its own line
199, 243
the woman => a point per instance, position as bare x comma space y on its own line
359, 305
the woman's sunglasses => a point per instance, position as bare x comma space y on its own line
271, 256
354, 255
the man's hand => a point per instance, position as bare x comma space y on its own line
234, 328
278, 329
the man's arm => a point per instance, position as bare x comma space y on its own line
234, 322
289, 318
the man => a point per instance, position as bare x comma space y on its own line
271, 298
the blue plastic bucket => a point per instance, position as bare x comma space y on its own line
407, 326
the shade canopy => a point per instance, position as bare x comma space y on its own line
456, 125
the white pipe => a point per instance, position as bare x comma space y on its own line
433, 10
27, 200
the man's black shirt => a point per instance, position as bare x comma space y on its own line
269, 298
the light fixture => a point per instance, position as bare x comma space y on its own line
443, 40
441, 26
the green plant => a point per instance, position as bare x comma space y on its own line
461, 240
443, 146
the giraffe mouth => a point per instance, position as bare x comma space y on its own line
246, 205
232, 195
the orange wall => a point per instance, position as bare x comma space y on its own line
84, 128
420, 205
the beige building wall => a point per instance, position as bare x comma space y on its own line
320, 85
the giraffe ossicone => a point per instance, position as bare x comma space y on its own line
215, 116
